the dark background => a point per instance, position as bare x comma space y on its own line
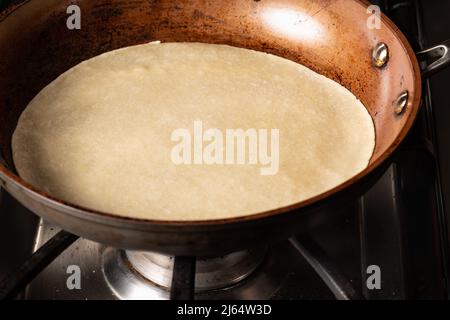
436, 16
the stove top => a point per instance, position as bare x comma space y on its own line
398, 228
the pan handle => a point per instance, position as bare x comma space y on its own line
435, 59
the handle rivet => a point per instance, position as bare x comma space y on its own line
401, 102
380, 55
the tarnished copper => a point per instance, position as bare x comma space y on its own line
329, 36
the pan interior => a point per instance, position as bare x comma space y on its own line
191, 131
332, 39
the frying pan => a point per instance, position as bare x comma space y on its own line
331, 37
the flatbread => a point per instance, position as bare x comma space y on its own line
101, 135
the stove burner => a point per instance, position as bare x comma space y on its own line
138, 275
211, 273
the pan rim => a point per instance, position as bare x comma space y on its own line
131, 223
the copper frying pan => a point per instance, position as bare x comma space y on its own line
331, 37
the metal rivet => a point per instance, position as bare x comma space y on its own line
401, 102
380, 55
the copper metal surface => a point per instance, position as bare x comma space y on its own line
330, 37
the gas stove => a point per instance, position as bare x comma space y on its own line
399, 228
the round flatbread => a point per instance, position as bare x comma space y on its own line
147, 131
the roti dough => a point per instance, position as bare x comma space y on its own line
99, 136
